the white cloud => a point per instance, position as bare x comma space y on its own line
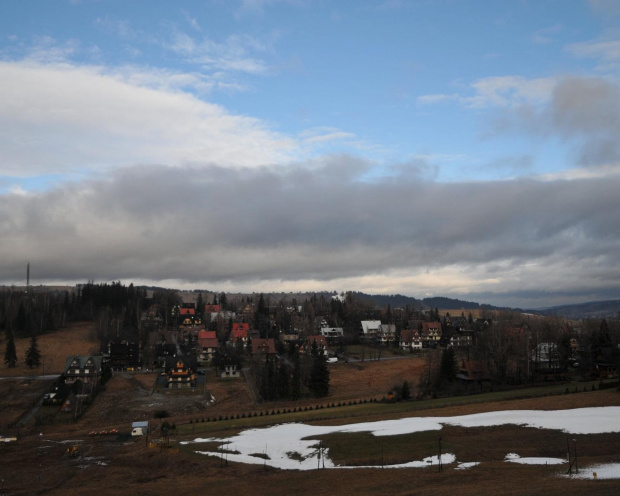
232, 55
501, 91
324, 134
62, 117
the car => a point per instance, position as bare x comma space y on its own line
332, 360
201, 372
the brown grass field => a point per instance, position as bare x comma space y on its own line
75, 339
37, 463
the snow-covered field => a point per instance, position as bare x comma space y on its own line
287, 446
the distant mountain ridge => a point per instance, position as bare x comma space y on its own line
589, 310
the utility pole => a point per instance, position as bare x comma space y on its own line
439, 459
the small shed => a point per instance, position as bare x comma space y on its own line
140, 428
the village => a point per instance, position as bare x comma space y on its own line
127, 376
283, 350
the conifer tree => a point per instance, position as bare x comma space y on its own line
33, 356
319, 376
10, 354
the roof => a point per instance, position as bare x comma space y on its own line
190, 362
240, 326
408, 335
212, 308
206, 335
471, 370
187, 311
142, 423
370, 325
208, 342
320, 340
82, 361
266, 346
239, 332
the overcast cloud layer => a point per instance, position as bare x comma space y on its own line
385, 147
320, 225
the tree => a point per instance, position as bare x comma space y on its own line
448, 369
405, 391
33, 356
319, 376
296, 380
10, 354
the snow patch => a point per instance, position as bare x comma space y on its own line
279, 441
602, 471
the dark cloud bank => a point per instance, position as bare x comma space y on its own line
318, 222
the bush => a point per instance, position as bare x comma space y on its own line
161, 414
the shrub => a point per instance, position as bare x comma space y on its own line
161, 414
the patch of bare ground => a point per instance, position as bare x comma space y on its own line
17, 397
109, 466
372, 379
78, 338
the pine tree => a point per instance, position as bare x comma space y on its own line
21, 320
448, 368
33, 356
296, 380
10, 354
319, 376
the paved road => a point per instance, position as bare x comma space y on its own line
49, 377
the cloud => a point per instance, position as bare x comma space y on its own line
319, 224
545, 35
582, 112
120, 28
501, 91
62, 118
605, 7
232, 55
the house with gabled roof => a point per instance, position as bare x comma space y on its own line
87, 368
431, 333
410, 340
181, 372
386, 333
263, 346
370, 328
239, 332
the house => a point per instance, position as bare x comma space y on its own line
431, 333
320, 322
472, 371
386, 333
181, 372
230, 370
320, 341
461, 338
88, 369
263, 347
213, 309
206, 335
410, 340
332, 333
239, 332
207, 348
124, 355
545, 356
370, 328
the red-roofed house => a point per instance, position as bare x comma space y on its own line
410, 340
431, 332
239, 331
206, 335
213, 308
320, 340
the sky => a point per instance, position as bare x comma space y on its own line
462, 148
